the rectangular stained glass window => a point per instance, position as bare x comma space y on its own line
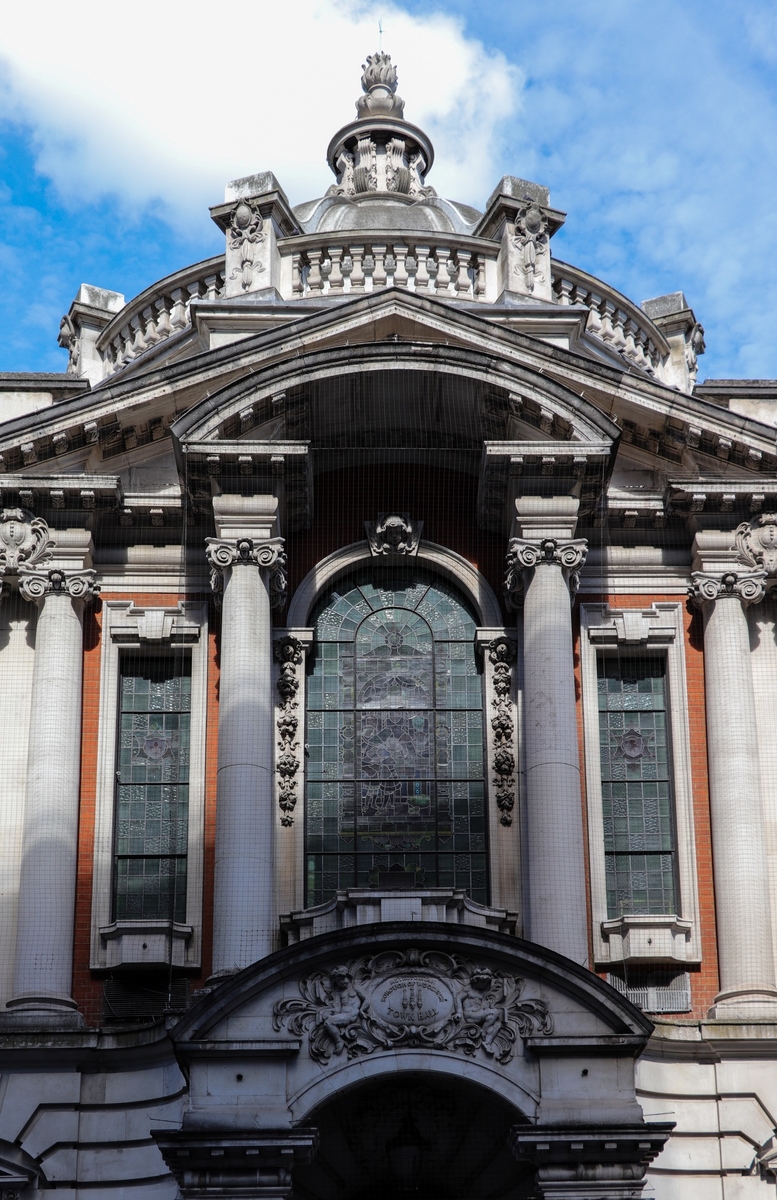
152, 788
637, 800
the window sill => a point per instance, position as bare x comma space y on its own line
146, 942
650, 937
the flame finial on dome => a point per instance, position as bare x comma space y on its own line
379, 82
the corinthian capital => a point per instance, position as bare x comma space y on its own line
748, 587
524, 555
268, 555
78, 585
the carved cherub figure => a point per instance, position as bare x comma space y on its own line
476, 1007
345, 1007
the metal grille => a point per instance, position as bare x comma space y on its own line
654, 990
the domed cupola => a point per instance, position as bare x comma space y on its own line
380, 151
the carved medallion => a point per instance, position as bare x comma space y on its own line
24, 540
414, 999
393, 533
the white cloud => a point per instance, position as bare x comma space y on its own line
166, 104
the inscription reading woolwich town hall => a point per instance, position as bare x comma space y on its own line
411, 998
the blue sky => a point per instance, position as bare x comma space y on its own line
653, 122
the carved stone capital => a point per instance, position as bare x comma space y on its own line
268, 555
24, 540
748, 587
393, 533
756, 543
78, 585
524, 555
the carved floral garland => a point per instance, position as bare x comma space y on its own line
290, 654
415, 999
501, 655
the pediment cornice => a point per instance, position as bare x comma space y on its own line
378, 332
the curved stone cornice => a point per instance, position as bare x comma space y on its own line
205, 421
706, 588
530, 960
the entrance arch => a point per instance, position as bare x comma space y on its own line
414, 1133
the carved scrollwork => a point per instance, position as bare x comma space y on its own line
24, 540
78, 585
748, 587
756, 543
411, 998
500, 656
523, 555
268, 555
394, 533
531, 238
290, 653
245, 234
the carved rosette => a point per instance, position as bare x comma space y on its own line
78, 585
268, 555
415, 999
531, 239
756, 543
393, 533
24, 540
245, 234
290, 654
749, 587
523, 556
500, 654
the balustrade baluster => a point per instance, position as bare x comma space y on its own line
335, 274
422, 279
400, 270
368, 263
150, 334
411, 266
462, 280
480, 278
315, 281
162, 306
296, 274
211, 288
357, 270
443, 282
178, 314
379, 274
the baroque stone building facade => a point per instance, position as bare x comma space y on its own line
387, 661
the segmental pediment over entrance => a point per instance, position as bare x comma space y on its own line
269, 1046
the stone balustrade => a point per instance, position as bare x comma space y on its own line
159, 312
614, 319
433, 264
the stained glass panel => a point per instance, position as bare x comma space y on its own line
638, 811
152, 792
395, 776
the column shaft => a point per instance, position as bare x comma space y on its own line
44, 939
557, 912
740, 870
244, 920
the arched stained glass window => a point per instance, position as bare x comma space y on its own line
395, 791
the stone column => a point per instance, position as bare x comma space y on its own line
745, 956
541, 565
44, 939
247, 562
